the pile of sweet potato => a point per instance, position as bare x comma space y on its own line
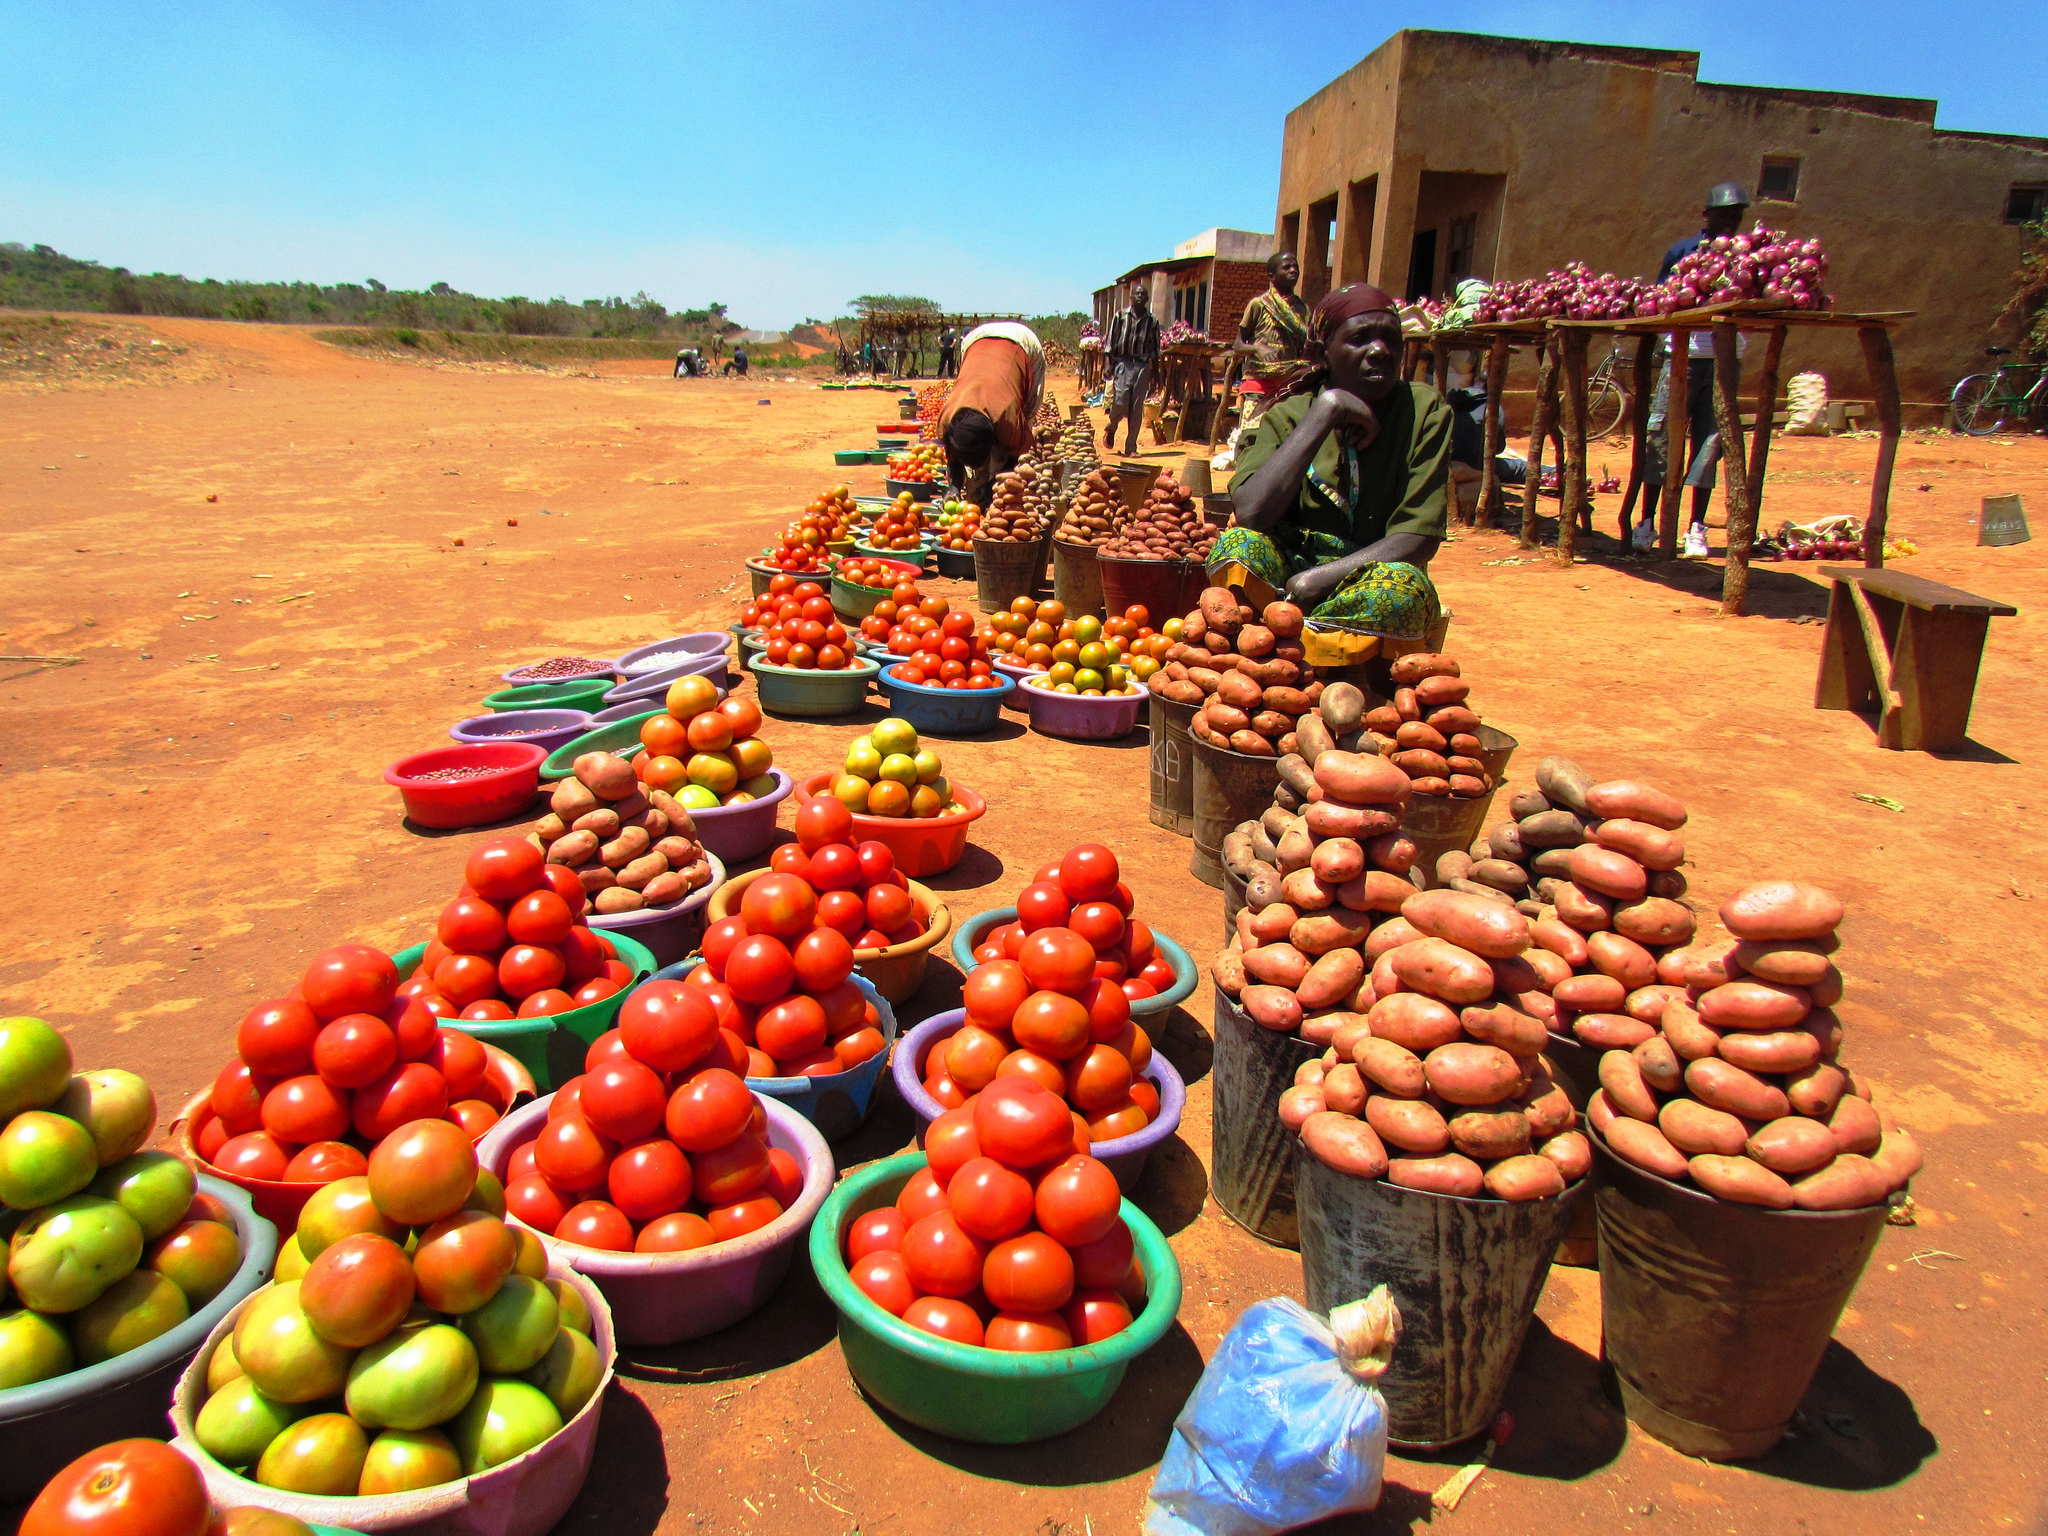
1247, 673
1095, 514
631, 849
1428, 731
1169, 526
1016, 512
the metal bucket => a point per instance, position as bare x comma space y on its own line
1716, 1314
1234, 891
1165, 589
1251, 1152
1173, 765
1465, 1274
1005, 571
1217, 508
1135, 482
1076, 578
1229, 787
1195, 476
1439, 823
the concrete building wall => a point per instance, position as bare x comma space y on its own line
1564, 151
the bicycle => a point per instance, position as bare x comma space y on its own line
1980, 402
1607, 393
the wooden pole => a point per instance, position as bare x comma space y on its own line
1728, 422
1496, 383
1572, 483
1539, 430
1677, 421
1884, 384
1222, 401
1645, 382
1766, 421
1440, 363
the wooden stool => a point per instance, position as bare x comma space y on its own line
1922, 639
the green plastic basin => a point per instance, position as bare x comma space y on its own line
808, 691
586, 695
961, 1390
619, 736
562, 1037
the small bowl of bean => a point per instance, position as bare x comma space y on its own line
561, 669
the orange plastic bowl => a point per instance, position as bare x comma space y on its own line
921, 847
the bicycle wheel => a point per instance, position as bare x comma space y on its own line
1975, 405
1604, 406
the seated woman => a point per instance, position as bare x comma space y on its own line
1339, 494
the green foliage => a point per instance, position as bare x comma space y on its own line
2029, 307
1064, 329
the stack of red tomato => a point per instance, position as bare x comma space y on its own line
1050, 999
922, 464
1040, 636
870, 571
1010, 1237
659, 1146
942, 646
901, 525
800, 628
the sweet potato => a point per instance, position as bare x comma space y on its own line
1319, 933
595, 878
1358, 779
1344, 1089
607, 777
1515, 975
1450, 1174
1274, 1008
1791, 1145
1270, 923
1255, 640
1377, 891
1601, 1113
1554, 863
1659, 1064
1848, 1183
571, 799
1345, 1144
1518, 1033
1406, 705
1525, 1177
1272, 725
1741, 1180
1648, 1003
1816, 1091
1443, 970
1693, 1127
1490, 1133
1238, 691
1416, 665
1408, 1125
1561, 939
665, 889
1204, 677
1651, 847
1549, 1110
1483, 927
1625, 799
1465, 1073
1753, 1005
1294, 849
1774, 1051
1623, 1082
1622, 958
1721, 1086
1429, 784
1710, 963
1466, 786
1283, 618
1610, 1031
1314, 739
1585, 910
1551, 829
1415, 736
1798, 964
1331, 978
1453, 720
1607, 873
573, 848
1439, 691
1898, 1155
1178, 689
1337, 859
1549, 966
1538, 1005
618, 899
1590, 994
1781, 910
1645, 1146
1298, 1103
1391, 934
1305, 892
1414, 1022
635, 874
1563, 782
1668, 883
1502, 874
1278, 965
1572, 1152
1390, 1068
1394, 852
1854, 1126
1654, 921
1227, 970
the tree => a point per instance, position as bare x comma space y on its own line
2028, 310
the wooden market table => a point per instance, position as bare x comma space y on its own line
1907, 649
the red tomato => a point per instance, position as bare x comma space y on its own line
461, 1061
950, 1145
350, 978
238, 1097
1119, 1120
325, 1161
1020, 1124
728, 1053
733, 1171
1094, 1315
1057, 960
888, 907
668, 1025
539, 917
464, 979
708, 1110
609, 1046
1138, 947
1053, 1025
355, 1050
1042, 1070
504, 869
1135, 1045
945, 1092
790, 859
843, 912
490, 1011
1137, 990
595, 990
1012, 937
597, 1224
944, 1258
824, 820
649, 1179
720, 939
862, 1045
584, 957
993, 993
945, 1318
471, 925
823, 959
876, 861
252, 1155
303, 1109
414, 1019
972, 1056
276, 1038
845, 1006
921, 1197
742, 1216
835, 866
1042, 904
536, 1202
571, 1154
675, 1234
1089, 873
549, 1000
410, 1091
1077, 1202
520, 1163
568, 1099
988, 1200
422, 1172
474, 1116
785, 1181
1027, 1332
760, 1063
759, 969
1099, 922
126, 1488
462, 1259
1158, 974
884, 1278
568, 885
525, 969
876, 1231
988, 952
1098, 1079
742, 715
781, 906
357, 1290
1146, 1097
1029, 1273
791, 1028
623, 1101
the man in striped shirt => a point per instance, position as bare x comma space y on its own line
1133, 348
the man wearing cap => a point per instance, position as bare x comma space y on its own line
1339, 493
1726, 205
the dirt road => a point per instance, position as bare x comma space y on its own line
253, 556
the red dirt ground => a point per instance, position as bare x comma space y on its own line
204, 787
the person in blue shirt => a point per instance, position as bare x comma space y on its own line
1723, 215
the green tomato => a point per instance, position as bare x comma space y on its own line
569, 1373
65, 1254
138, 1307
43, 1158
514, 1329
414, 1378
153, 1187
236, 1425
695, 797
32, 1348
504, 1419
35, 1065
116, 1108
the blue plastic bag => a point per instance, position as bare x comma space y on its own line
1285, 1427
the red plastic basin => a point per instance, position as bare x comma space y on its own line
921, 847
505, 791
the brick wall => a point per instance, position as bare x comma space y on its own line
1235, 284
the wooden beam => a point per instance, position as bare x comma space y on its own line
1677, 426
1539, 430
1884, 384
1496, 386
1572, 483
1766, 419
1644, 380
1891, 708
1735, 455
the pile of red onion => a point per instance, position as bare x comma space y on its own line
1763, 264
1574, 293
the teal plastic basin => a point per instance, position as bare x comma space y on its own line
587, 696
963, 1391
808, 691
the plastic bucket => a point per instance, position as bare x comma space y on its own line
837, 1105
806, 691
845, 456
1134, 483
956, 563
507, 1085
524, 674
1124, 1156
665, 1298
1077, 578
1185, 972
852, 601
666, 933
962, 1391
586, 695
1075, 717
1167, 588
1251, 1152
945, 711
1005, 570
1017, 674
1172, 798
1229, 787
896, 972
1716, 1314
49, 1424
525, 1496
1439, 823
1465, 1274
543, 728
928, 846
505, 791
620, 737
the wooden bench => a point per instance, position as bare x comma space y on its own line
1923, 640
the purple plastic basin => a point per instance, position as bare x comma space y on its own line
701, 643
668, 932
545, 728
631, 709
1016, 673
736, 833
1081, 719
651, 687
522, 674
665, 1298
1124, 1156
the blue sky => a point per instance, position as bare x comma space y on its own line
782, 158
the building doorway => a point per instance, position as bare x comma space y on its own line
1422, 265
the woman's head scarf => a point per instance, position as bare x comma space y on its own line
1338, 306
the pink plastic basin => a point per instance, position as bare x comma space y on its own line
736, 833
507, 790
1016, 672
1124, 1156
665, 1298
1082, 719
525, 1496
668, 932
